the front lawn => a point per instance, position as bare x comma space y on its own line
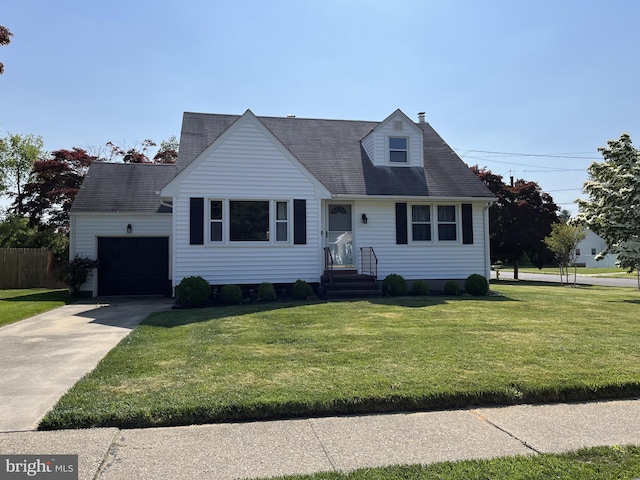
601, 462
537, 343
20, 304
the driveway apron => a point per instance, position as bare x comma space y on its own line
43, 356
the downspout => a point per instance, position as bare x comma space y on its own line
487, 243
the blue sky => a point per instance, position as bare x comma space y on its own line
530, 77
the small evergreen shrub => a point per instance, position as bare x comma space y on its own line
231, 295
302, 290
420, 287
476, 285
452, 288
394, 285
266, 292
193, 291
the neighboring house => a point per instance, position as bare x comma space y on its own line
589, 247
268, 199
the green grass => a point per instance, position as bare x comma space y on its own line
614, 463
537, 343
17, 305
609, 272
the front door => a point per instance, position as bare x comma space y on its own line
340, 235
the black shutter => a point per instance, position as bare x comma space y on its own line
467, 224
401, 224
196, 221
300, 222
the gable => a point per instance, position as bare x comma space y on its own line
396, 134
245, 159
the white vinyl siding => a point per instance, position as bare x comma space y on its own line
376, 143
418, 260
249, 166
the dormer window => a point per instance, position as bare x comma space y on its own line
398, 152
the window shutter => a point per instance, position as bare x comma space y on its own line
300, 222
467, 224
401, 224
196, 221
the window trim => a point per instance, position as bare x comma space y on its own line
226, 222
411, 223
456, 222
405, 150
433, 211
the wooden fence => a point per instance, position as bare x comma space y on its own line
28, 268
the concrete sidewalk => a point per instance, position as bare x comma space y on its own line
43, 356
263, 449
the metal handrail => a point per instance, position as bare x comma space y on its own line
372, 264
328, 259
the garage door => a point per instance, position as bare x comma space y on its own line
133, 265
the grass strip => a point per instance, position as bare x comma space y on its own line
16, 305
534, 344
616, 462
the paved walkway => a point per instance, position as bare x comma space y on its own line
264, 449
43, 356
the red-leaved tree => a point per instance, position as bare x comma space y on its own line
5, 39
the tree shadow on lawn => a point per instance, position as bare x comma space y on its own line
49, 296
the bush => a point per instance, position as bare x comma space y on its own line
77, 271
476, 285
420, 287
302, 290
394, 285
231, 295
193, 291
452, 288
266, 292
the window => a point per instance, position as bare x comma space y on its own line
249, 221
447, 227
215, 221
577, 252
593, 251
398, 150
282, 222
421, 223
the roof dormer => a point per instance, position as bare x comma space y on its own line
395, 142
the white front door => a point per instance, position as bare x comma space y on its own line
340, 234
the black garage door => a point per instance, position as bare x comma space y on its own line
133, 265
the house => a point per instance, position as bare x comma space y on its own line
255, 199
589, 247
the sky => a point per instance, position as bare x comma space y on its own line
524, 88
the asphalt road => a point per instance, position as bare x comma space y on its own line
581, 279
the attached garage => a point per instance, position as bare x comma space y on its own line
133, 266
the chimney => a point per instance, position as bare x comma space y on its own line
421, 117
291, 115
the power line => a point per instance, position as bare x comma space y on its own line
577, 155
550, 169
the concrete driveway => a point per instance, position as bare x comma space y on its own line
43, 356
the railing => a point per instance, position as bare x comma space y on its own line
369, 262
328, 259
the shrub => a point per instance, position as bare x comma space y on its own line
452, 288
266, 292
302, 290
420, 287
476, 285
231, 295
77, 271
193, 291
394, 285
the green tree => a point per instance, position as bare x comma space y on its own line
519, 220
168, 152
17, 156
563, 241
5, 39
613, 208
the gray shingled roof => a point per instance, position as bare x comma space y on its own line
123, 187
331, 151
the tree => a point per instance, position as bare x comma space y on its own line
132, 155
519, 220
613, 208
565, 215
15, 232
563, 241
5, 39
17, 156
53, 186
168, 152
